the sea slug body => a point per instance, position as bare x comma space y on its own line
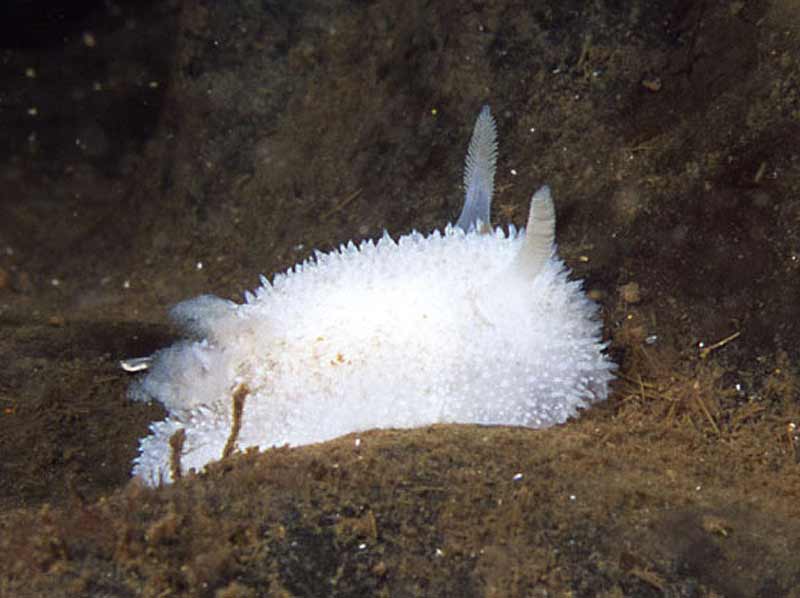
464, 325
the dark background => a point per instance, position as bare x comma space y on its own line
152, 151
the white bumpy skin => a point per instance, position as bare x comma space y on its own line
468, 325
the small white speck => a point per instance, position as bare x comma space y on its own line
513, 172
358, 442
299, 247
698, 488
126, 284
362, 546
738, 387
199, 265
153, 84
33, 111
439, 552
700, 345
533, 129
572, 497
794, 258
517, 477
651, 340
55, 282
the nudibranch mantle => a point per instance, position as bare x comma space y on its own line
465, 325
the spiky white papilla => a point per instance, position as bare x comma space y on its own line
452, 327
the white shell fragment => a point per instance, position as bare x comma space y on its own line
135, 364
465, 325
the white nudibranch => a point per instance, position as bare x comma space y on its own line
466, 325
